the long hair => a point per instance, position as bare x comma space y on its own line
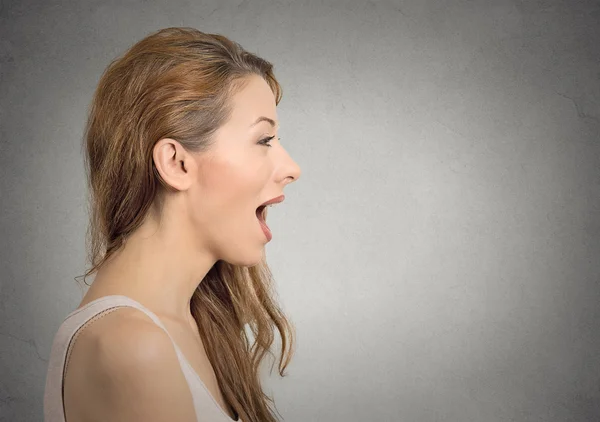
178, 83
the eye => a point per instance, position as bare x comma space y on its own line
266, 141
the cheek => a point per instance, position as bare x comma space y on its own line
228, 186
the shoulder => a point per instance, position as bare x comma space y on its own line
128, 339
129, 366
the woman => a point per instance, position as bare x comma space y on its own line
181, 152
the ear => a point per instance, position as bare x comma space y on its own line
174, 164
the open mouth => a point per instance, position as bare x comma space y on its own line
261, 215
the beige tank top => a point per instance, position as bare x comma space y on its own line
207, 409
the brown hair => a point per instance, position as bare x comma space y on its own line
177, 83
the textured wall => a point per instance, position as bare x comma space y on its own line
440, 256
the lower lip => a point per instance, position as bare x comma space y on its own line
266, 230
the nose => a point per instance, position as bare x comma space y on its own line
290, 170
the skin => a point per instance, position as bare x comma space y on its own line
210, 217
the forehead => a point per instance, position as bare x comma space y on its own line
254, 100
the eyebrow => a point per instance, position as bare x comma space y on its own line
264, 119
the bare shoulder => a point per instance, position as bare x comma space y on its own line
123, 367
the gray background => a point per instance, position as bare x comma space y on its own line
440, 254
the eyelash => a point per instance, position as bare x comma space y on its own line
265, 140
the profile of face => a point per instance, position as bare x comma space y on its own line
239, 173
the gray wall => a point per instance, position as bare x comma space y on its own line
440, 254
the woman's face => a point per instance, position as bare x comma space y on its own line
237, 175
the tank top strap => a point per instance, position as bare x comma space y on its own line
115, 301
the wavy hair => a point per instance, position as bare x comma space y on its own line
178, 83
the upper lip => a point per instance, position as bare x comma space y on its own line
273, 201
